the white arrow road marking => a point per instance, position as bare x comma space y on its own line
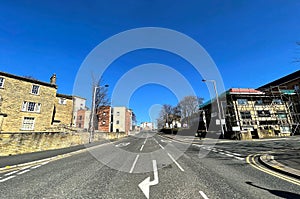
203, 194
123, 144
145, 185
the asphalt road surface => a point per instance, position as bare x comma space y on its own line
149, 166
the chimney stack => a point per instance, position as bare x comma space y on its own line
53, 79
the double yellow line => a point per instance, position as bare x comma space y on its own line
251, 160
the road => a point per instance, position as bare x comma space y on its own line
149, 166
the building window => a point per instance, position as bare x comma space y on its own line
2, 82
246, 115
62, 100
103, 122
117, 122
28, 123
242, 101
118, 113
35, 89
281, 115
31, 107
263, 113
79, 125
104, 113
285, 129
259, 102
80, 117
277, 101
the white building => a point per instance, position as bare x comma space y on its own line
147, 125
78, 103
122, 119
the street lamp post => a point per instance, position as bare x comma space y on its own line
93, 113
218, 104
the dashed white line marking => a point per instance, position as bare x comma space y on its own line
239, 158
161, 146
141, 147
44, 163
155, 140
10, 177
145, 140
175, 162
25, 171
203, 194
8, 174
133, 165
37, 166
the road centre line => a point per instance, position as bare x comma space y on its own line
37, 166
142, 148
145, 140
161, 146
203, 194
175, 162
133, 165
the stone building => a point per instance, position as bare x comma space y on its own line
63, 110
28, 103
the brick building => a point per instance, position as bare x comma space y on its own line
83, 119
104, 118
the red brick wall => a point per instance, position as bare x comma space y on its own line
103, 115
80, 118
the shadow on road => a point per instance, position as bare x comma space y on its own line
283, 194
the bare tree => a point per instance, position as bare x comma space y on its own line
189, 105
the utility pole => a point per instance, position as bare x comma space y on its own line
218, 104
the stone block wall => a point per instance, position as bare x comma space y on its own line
19, 143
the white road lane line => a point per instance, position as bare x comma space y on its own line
161, 146
44, 163
145, 140
142, 148
239, 158
25, 171
133, 165
203, 195
175, 162
37, 166
155, 140
10, 177
8, 174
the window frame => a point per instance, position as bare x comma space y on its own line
242, 99
263, 114
25, 125
32, 107
244, 115
33, 90
2, 80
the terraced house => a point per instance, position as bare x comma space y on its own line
29, 105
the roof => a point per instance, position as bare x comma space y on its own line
283, 80
64, 96
244, 91
28, 80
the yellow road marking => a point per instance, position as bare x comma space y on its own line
250, 160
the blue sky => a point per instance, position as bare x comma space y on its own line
251, 42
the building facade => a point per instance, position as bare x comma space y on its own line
28, 103
104, 119
79, 103
288, 88
83, 119
122, 119
251, 110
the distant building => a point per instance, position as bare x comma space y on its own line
122, 119
147, 125
78, 104
104, 118
262, 114
83, 118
